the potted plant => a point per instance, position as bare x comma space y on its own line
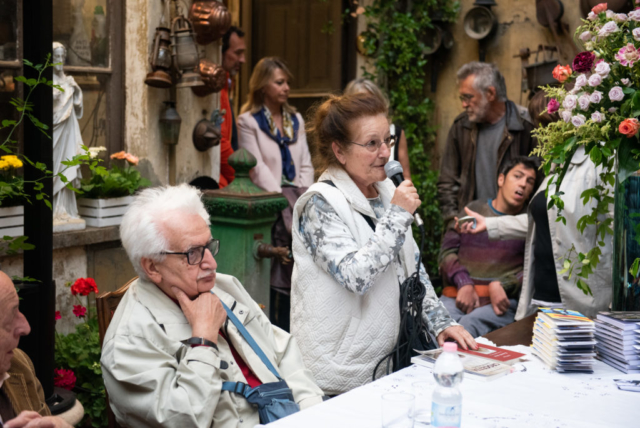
77, 357
108, 192
601, 113
11, 197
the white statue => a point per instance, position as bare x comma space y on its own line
67, 142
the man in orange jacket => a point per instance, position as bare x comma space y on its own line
233, 48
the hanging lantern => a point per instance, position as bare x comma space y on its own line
211, 20
170, 124
185, 52
160, 60
213, 76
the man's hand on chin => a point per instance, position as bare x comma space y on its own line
205, 313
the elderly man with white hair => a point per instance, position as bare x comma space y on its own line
188, 347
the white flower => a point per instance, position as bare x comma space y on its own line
608, 29
621, 17
603, 68
586, 36
570, 102
634, 15
581, 81
583, 102
566, 115
597, 116
592, 16
616, 94
613, 109
610, 14
578, 120
626, 82
595, 97
95, 151
595, 80
588, 46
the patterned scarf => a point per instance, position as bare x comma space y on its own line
290, 127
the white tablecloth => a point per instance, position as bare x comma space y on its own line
535, 398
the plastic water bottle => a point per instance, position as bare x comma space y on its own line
446, 402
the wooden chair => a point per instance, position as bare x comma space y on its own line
107, 303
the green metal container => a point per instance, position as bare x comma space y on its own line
241, 218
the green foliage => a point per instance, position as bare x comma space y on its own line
80, 352
394, 38
112, 183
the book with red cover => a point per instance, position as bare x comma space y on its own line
493, 353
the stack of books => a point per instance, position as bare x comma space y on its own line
564, 340
486, 363
618, 336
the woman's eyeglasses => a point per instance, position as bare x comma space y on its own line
374, 145
196, 254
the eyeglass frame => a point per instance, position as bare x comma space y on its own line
203, 247
379, 143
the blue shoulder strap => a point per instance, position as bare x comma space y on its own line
239, 387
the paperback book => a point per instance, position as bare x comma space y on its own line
618, 335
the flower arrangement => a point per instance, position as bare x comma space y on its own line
11, 184
78, 357
600, 113
115, 182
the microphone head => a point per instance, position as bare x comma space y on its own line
393, 168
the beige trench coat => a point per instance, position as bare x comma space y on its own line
581, 175
154, 380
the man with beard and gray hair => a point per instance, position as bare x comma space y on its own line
491, 131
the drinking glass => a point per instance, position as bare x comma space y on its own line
422, 407
397, 410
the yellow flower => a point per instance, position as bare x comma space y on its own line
11, 161
4, 165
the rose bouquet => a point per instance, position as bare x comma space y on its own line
598, 103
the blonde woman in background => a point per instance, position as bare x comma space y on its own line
273, 131
401, 150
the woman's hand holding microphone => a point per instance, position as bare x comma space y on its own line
406, 197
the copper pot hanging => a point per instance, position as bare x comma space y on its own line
211, 20
213, 76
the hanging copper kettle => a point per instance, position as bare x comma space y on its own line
213, 76
211, 19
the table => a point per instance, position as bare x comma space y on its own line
517, 333
536, 398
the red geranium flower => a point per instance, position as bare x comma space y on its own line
84, 286
58, 316
64, 378
79, 311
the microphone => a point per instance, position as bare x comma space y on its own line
394, 172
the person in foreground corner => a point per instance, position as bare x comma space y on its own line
183, 347
346, 278
22, 402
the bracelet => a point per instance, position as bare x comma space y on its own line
200, 341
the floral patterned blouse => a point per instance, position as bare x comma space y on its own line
333, 247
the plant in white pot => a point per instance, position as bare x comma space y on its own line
108, 192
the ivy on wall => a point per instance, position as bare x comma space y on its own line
394, 40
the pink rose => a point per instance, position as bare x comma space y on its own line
578, 120
603, 68
628, 55
570, 102
616, 94
585, 36
634, 15
581, 81
566, 115
595, 97
595, 80
608, 29
636, 34
597, 116
592, 16
553, 106
584, 102
621, 17
612, 109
